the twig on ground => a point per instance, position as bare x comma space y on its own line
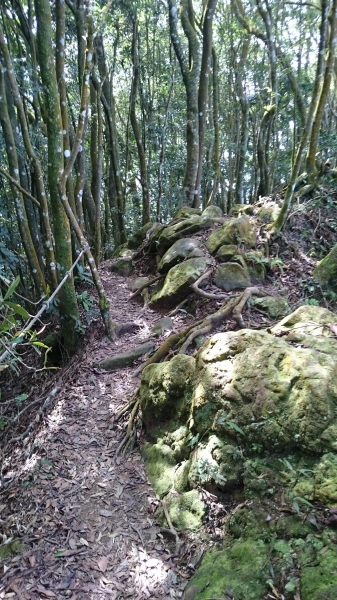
23, 435
178, 307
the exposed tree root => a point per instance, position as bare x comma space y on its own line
182, 341
197, 290
146, 285
128, 441
172, 529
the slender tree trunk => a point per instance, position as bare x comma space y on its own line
136, 131
203, 88
68, 304
13, 164
315, 99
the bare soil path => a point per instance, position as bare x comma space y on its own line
86, 521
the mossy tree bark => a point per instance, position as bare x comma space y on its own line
68, 304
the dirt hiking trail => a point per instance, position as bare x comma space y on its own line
86, 521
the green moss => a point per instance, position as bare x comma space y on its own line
318, 569
11, 549
160, 467
326, 270
186, 510
241, 570
325, 488
165, 391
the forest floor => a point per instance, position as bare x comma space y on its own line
85, 521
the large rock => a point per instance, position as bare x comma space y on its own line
285, 397
268, 213
225, 253
165, 392
231, 276
122, 266
180, 250
274, 306
235, 231
213, 211
247, 209
137, 238
254, 414
186, 211
184, 228
178, 281
326, 270
138, 282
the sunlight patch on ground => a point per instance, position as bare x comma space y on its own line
148, 573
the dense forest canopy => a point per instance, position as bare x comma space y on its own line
114, 114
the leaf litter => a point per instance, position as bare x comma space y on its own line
86, 524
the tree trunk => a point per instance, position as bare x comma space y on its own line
68, 304
136, 131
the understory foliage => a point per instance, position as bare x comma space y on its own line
114, 114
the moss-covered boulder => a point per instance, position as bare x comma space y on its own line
234, 231
182, 229
246, 209
166, 391
239, 571
226, 252
326, 270
274, 306
213, 211
255, 266
285, 396
122, 266
178, 281
180, 250
185, 212
137, 238
138, 282
231, 276
122, 251
310, 327
268, 213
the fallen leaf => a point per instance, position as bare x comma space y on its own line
103, 564
44, 592
72, 543
105, 513
119, 491
32, 560
66, 581
83, 542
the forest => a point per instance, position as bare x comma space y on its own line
168, 195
